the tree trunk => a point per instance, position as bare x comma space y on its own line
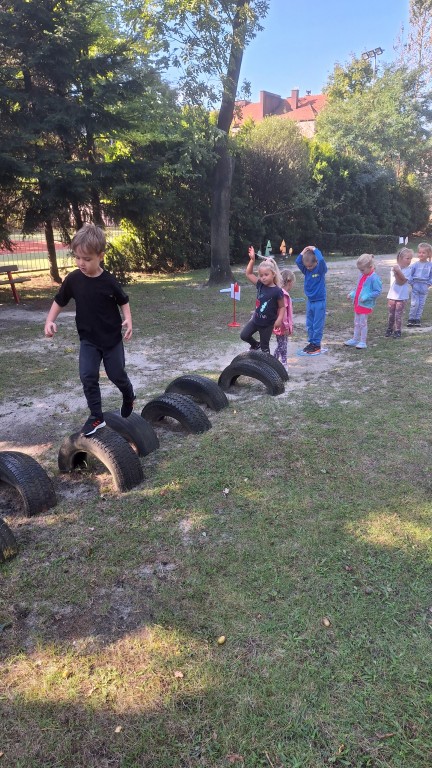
96, 209
52, 255
77, 215
220, 218
220, 270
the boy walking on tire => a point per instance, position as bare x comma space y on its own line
98, 296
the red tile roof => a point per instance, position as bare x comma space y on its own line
294, 107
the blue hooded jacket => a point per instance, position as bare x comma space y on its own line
372, 288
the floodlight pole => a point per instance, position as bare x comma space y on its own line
373, 54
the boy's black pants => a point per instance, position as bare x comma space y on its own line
90, 358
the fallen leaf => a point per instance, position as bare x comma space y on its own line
221, 640
349, 568
66, 674
233, 758
118, 729
178, 674
326, 622
385, 735
225, 491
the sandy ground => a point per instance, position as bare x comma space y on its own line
33, 424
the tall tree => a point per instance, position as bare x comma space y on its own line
205, 42
272, 180
66, 88
382, 121
414, 48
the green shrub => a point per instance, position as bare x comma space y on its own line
118, 262
327, 241
352, 246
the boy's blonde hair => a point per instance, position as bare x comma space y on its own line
426, 247
90, 238
365, 260
403, 252
271, 264
310, 256
287, 276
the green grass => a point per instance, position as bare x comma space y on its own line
327, 518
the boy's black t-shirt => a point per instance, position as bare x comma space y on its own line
266, 307
97, 301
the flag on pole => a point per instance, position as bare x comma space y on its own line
235, 291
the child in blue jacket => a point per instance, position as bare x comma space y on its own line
312, 264
364, 296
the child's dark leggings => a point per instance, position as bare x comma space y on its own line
90, 358
265, 333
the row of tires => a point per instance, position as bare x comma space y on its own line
120, 446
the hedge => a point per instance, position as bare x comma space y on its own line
354, 245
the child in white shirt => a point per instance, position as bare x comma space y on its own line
399, 292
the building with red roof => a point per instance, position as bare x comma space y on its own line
302, 109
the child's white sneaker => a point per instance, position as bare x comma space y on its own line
351, 343
361, 345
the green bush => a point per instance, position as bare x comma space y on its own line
354, 245
117, 262
327, 241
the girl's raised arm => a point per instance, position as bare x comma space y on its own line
250, 267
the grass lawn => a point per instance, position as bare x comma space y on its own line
315, 565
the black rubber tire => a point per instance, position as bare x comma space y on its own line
201, 389
179, 407
111, 449
137, 431
31, 481
271, 380
262, 357
8, 544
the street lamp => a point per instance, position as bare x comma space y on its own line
373, 55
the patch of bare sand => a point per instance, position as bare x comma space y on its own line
36, 425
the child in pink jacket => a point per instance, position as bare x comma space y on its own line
286, 329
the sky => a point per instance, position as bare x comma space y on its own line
303, 39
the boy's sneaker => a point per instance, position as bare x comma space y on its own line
315, 349
397, 335
417, 323
351, 343
127, 408
388, 333
411, 323
92, 424
308, 347
361, 345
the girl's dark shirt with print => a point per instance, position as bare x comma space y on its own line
97, 301
266, 307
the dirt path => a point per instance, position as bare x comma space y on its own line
33, 424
